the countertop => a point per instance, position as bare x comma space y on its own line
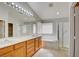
5, 42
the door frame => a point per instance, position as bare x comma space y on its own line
72, 29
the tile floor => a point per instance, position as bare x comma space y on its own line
50, 49
51, 53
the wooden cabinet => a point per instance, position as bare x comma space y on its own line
27, 48
19, 50
30, 47
7, 51
9, 54
36, 44
40, 42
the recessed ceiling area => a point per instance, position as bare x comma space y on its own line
50, 10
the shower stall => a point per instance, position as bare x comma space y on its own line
63, 35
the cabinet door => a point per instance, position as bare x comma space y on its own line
30, 48
9, 54
40, 43
7, 51
20, 52
36, 44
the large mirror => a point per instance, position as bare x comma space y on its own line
2, 29
14, 23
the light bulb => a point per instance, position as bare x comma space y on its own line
19, 7
12, 3
16, 5
58, 13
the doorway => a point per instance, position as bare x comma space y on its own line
10, 30
76, 31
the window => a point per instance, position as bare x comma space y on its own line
47, 28
34, 28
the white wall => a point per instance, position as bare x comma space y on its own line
3, 12
71, 32
39, 24
29, 29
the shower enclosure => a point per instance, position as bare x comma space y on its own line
63, 35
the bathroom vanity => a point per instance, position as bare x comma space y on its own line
20, 47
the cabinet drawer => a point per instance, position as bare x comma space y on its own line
5, 50
30, 42
36, 44
8, 54
19, 45
20, 52
30, 46
30, 52
40, 43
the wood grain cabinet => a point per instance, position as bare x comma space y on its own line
40, 42
7, 51
19, 50
27, 48
8, 54
36, 44
30, 47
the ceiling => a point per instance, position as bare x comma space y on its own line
45, 10
50, 10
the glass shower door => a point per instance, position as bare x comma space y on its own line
63, 35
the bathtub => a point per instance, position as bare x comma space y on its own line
50, 41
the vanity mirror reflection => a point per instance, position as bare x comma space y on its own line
2, 29
10, 30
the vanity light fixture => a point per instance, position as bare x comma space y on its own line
19, 9
9, 4
22, 9
12, 4
31, 14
